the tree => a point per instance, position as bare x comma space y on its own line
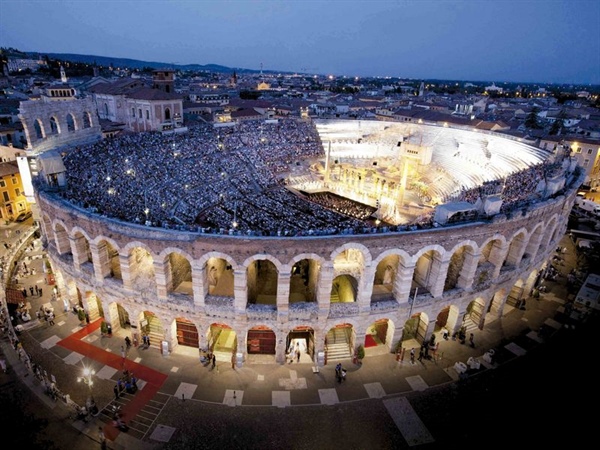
559, 124
531, 121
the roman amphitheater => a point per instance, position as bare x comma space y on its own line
259, 237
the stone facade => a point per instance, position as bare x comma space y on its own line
440, 277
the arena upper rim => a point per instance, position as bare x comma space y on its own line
256, 177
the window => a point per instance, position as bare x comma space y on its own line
140, 113
578, 149
132, 112
6, 196
14, 180
589, 151
586, 162
17, 192
2, 183
147, 115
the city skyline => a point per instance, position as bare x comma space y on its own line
536, 41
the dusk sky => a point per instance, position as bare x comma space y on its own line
545, 41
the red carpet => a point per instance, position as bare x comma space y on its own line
369, 341
154, 380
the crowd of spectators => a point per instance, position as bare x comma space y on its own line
230, 179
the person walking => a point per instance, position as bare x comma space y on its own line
123, 352
298, 354
102, 438
214, 361
116, 391
51, 318
472, 340
412, 355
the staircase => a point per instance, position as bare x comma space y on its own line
338, 345
155, 333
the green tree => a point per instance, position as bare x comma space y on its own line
531, 121
558, 125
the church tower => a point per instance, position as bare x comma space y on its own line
422, 89
63, 74
164, 80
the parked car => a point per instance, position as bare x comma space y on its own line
23, 216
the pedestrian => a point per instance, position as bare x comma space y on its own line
37, 290
31, 290
412, 355
472, 340
127, 342
40, 292
102, 438
51, 318
122, 352
24, 291
147, 341
116, 391
214, 361
298, 353
421, 354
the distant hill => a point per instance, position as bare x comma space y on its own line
137, 64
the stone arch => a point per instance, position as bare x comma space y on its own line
339, 341
81, 246
497, 303
344, 289
38, 127
386, 274
218, 274
167, 113
152, 326
47, 229
457, 265
221, 341
415, 330
141, 268
534, 241
352, 252
516, 248
491, 258
186, 331
379, 335
304, 278
447, 320
178, 271
54, 125
549, 232
71, 124
262, 277
61, 239
261, 340
427, 269
475, 313
108, 258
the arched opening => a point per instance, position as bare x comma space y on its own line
446, 321
300, 339
339, 343
377, 334
179, 273
303, 281
70, 122
222, 342
474, 315
109, 256
385, 275
488, 260
141, 268
87, 121
415, 330
106, 110
343, 289
152, 327
423, 278
261, 340
219, 277
123, 318
39, 129
455, 268
54, 128
515, 249
262, 276
187, 333
167, 114
515, 296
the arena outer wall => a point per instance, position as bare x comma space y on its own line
462, 272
